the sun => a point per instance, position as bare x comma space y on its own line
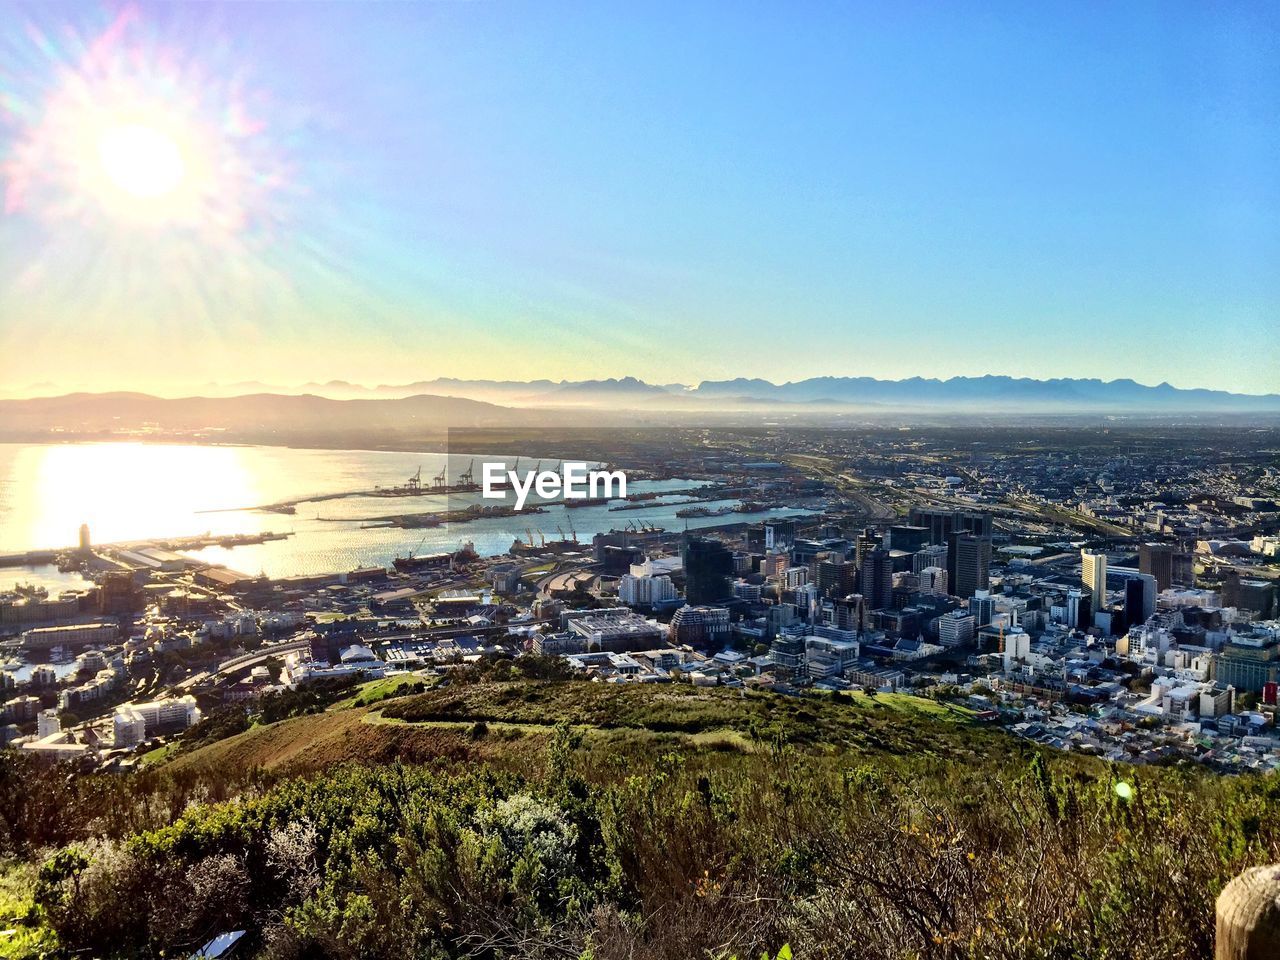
141, 160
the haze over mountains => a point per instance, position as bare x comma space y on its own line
342, 415
988, 394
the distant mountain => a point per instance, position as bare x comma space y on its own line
258, 418
465, 403
601, 392
990, 393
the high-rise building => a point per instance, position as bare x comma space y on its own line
1248, 663
47, 723
708, 570
1139, 599
933, 580
930, 556
849, 613
906, 538
875, 578
968, 564
1258, 597
836, 578
1079, 614
700, 626
1093, 576
1156, 559
941, 522
867, 541
983, 608
955, 629
779, 534
645, 591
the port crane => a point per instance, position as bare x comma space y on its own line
440, 479
415, 481
468, 476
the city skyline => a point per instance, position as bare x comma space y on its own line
396, 193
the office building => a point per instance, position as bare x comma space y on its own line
645, 591
849, 613
1139, 599
982, 606
1079, 614
933, 580
1156, 560
934, 555
907, 538
779, 534
836, 578
875, 578
708, 570
968, 564
1093, 577
955, 629
613, 630
1248, 663
700, 626
941, 522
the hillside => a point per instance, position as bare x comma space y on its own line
256, 418
519, 716
497, 817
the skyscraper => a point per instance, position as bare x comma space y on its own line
1156, 559
1079, 616
849, 613
968, 563
875, 578
708, 570
836, 578
941, 522
982, 608
1139, 599
1093, 575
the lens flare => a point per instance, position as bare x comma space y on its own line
131, 129
152, 185
140, 160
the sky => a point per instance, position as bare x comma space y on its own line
389, 192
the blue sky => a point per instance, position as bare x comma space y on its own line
698, 191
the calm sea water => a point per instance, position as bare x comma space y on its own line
136, 491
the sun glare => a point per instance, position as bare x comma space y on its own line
132, 131
144, 162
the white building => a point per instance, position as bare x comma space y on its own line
955, 629
934, 580
1017, 648
135, 722
645, 590
1093, 575
47, 724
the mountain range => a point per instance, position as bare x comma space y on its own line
988, 394
345, 414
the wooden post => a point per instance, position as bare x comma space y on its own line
1249, 916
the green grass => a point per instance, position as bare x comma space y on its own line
20, 933
387, 688
153, 758
895, 723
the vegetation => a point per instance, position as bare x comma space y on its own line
567, 819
